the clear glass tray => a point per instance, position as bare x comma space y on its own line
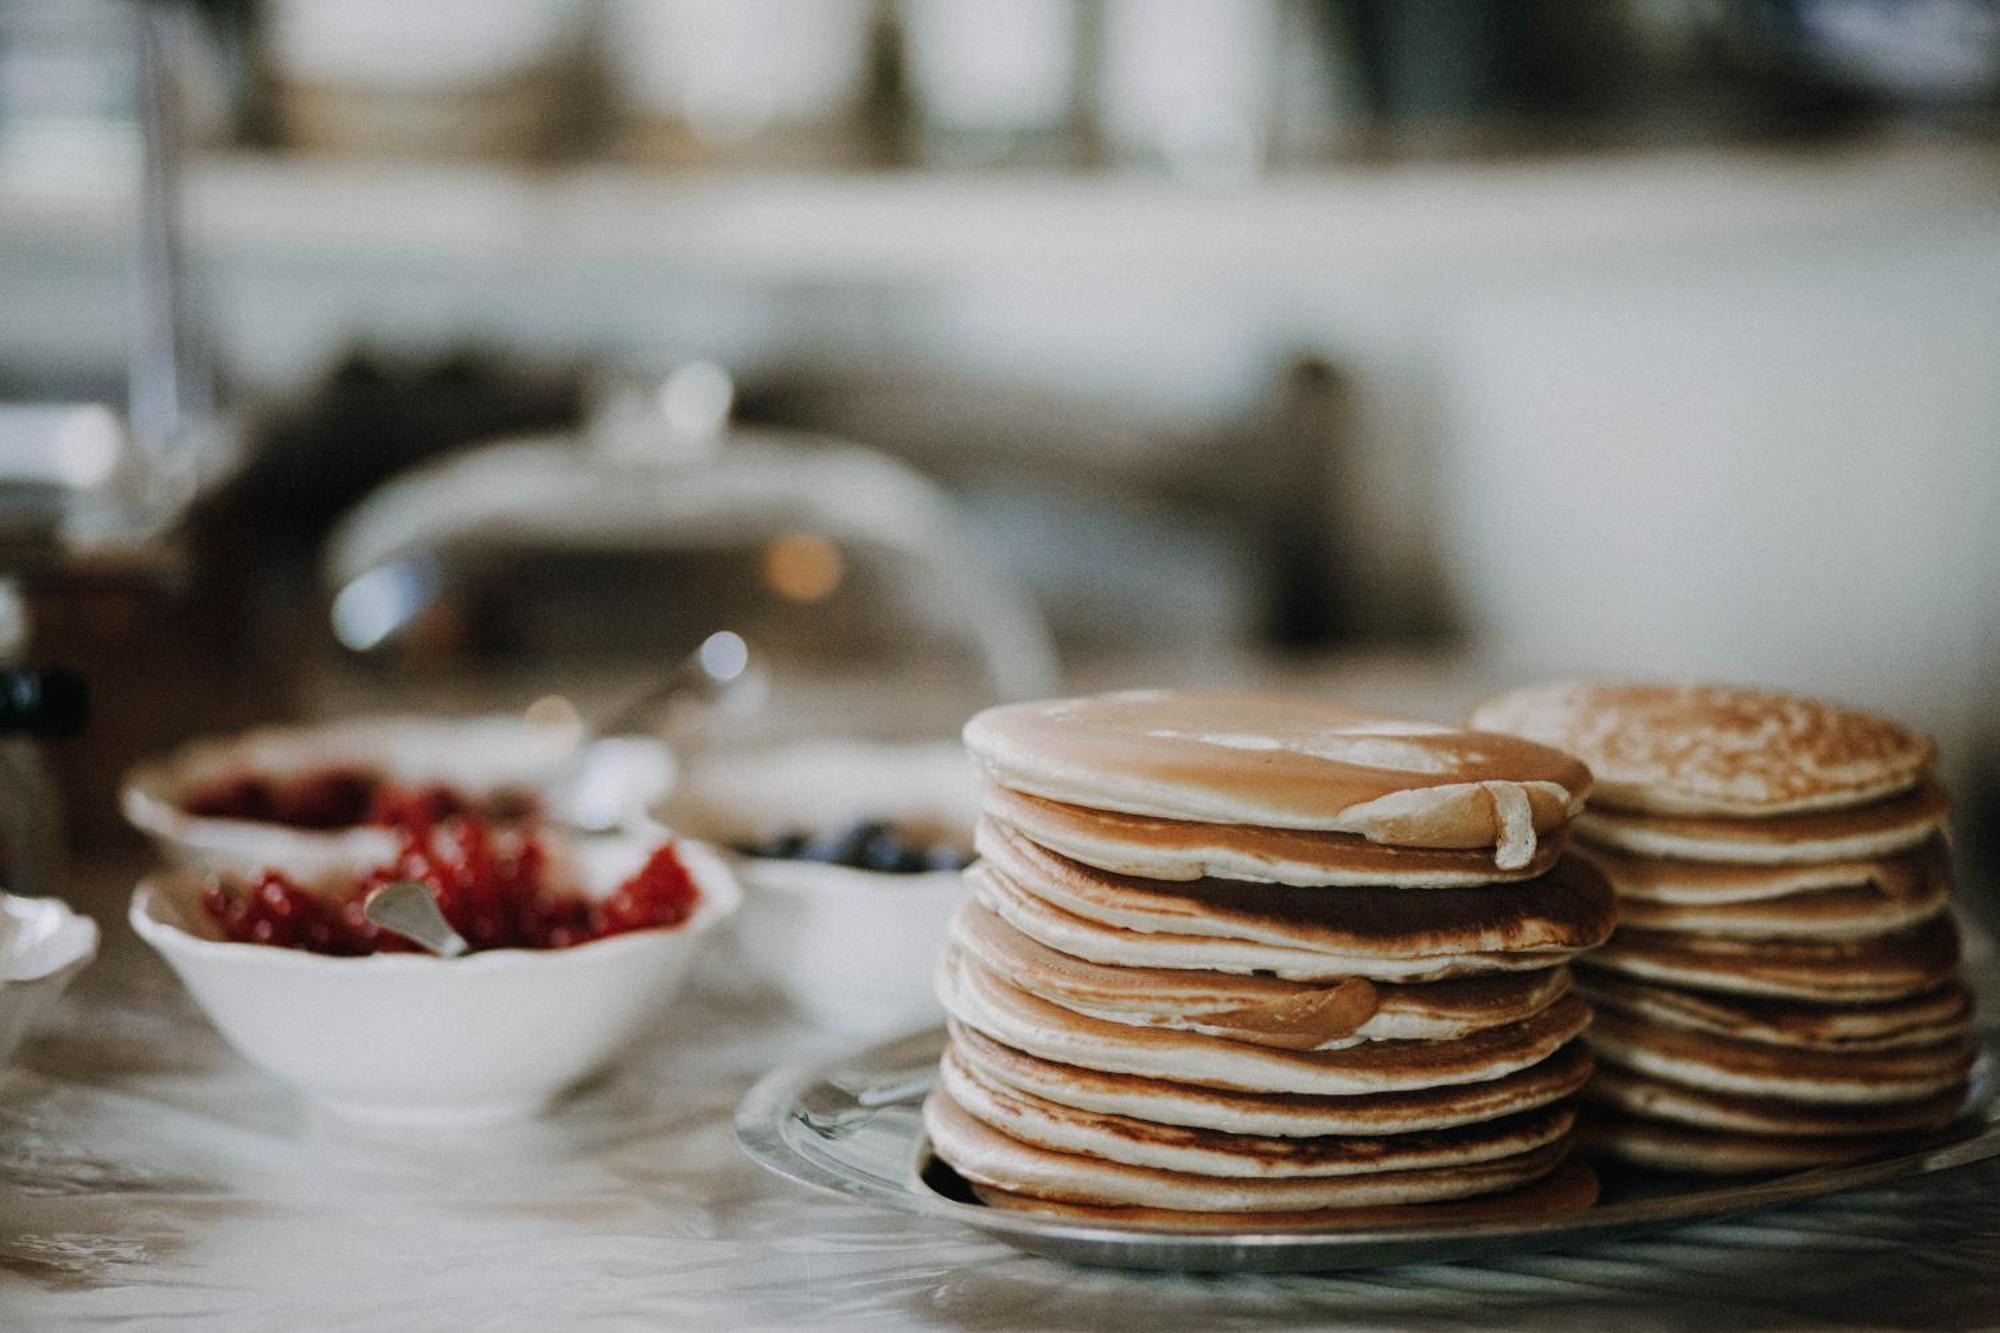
851, 1125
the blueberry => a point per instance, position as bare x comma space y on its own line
842, 847
946, 856
884, 850
869, 844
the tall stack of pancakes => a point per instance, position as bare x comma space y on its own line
1783, 987
1244, 961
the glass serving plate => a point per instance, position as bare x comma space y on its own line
851, 1125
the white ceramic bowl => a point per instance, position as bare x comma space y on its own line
413, 1038
43, 945
852, 950
477, 756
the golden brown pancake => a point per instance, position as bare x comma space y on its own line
1813, 913
1668, 1147
1717, 750
1722, 1064
1206, 1152
1570, 1188
982, 1000
1830, 914
1916, 873
1164, 1101
1080, 937
1570, 908
1276, 762
1656, 1099
1886, 967
1178, 849
1921, 1020
1882, 829
987, 1157
1260, 1010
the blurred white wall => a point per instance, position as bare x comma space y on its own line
1728, 412
1776, 462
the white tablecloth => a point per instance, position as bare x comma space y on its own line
145, 1172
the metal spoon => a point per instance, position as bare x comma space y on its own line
836, 1111
605, 784
407, 908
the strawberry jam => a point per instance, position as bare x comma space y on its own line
491, 884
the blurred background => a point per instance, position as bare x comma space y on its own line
957, 349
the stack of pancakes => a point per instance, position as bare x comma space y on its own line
1783, 988
1235, 961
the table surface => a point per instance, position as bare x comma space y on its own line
146, 1172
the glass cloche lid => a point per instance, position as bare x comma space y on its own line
611, 553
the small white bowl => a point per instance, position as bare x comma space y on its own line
43, 945
411, 1038
476, 755
852, 950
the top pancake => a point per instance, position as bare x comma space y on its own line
1179, 849
1716, 750
1275, 762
